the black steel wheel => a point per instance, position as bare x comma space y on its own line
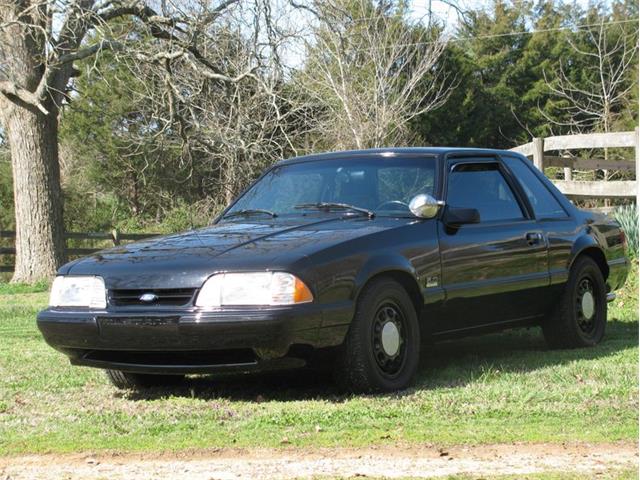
387, 336
585, 306
580, 318
382, 348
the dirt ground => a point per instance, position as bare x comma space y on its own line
388, 461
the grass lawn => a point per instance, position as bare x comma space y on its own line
500, 388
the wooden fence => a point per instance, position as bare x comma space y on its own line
537, 149
114, 237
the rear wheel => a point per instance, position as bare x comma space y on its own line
127, 380
382, 348
580, 318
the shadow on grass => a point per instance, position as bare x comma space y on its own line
448, 364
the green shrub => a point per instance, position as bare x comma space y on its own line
627, 217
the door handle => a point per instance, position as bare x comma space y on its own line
534, 238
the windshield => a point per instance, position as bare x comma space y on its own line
384, 186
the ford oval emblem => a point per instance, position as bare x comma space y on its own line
148, 297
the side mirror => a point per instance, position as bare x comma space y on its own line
425, 206
454, 217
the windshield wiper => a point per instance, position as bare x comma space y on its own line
250, 211
335, 206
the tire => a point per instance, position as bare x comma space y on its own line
578, 321
367, 363
132, 381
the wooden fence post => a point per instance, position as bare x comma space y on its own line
568, 171
538, 153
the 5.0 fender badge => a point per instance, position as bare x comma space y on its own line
432, 281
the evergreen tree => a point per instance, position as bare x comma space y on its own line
484, 58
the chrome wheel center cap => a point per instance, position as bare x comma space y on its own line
588, 305
390, 339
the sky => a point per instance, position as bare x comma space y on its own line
443, 11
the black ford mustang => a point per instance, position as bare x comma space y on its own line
362, 255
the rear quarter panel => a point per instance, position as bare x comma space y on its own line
607, 235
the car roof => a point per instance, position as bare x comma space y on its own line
384, 152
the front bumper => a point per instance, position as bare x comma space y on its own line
166, 341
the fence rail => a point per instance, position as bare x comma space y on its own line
537, 148
115, 237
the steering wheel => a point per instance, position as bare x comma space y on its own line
392, 203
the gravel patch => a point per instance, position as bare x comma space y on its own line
385, 461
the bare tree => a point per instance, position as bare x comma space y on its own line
595, 87
599, 95
230, 129
39, 42
369, 70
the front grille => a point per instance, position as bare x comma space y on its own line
163, 296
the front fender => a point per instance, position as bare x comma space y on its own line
379, 264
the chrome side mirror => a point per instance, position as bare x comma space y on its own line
425, 206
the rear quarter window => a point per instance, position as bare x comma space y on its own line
541, 199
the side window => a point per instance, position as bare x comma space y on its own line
483, 187
543, 202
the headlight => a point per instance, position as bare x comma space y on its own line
79, 291
260, 288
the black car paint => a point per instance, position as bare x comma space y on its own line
468, 279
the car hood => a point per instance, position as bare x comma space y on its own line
187, 259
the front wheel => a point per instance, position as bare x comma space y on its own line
579, 320
129, 381
382, 348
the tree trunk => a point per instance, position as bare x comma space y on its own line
33, 139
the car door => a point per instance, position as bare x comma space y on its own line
494, 271
558, 226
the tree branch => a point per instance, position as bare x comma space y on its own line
10, 89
